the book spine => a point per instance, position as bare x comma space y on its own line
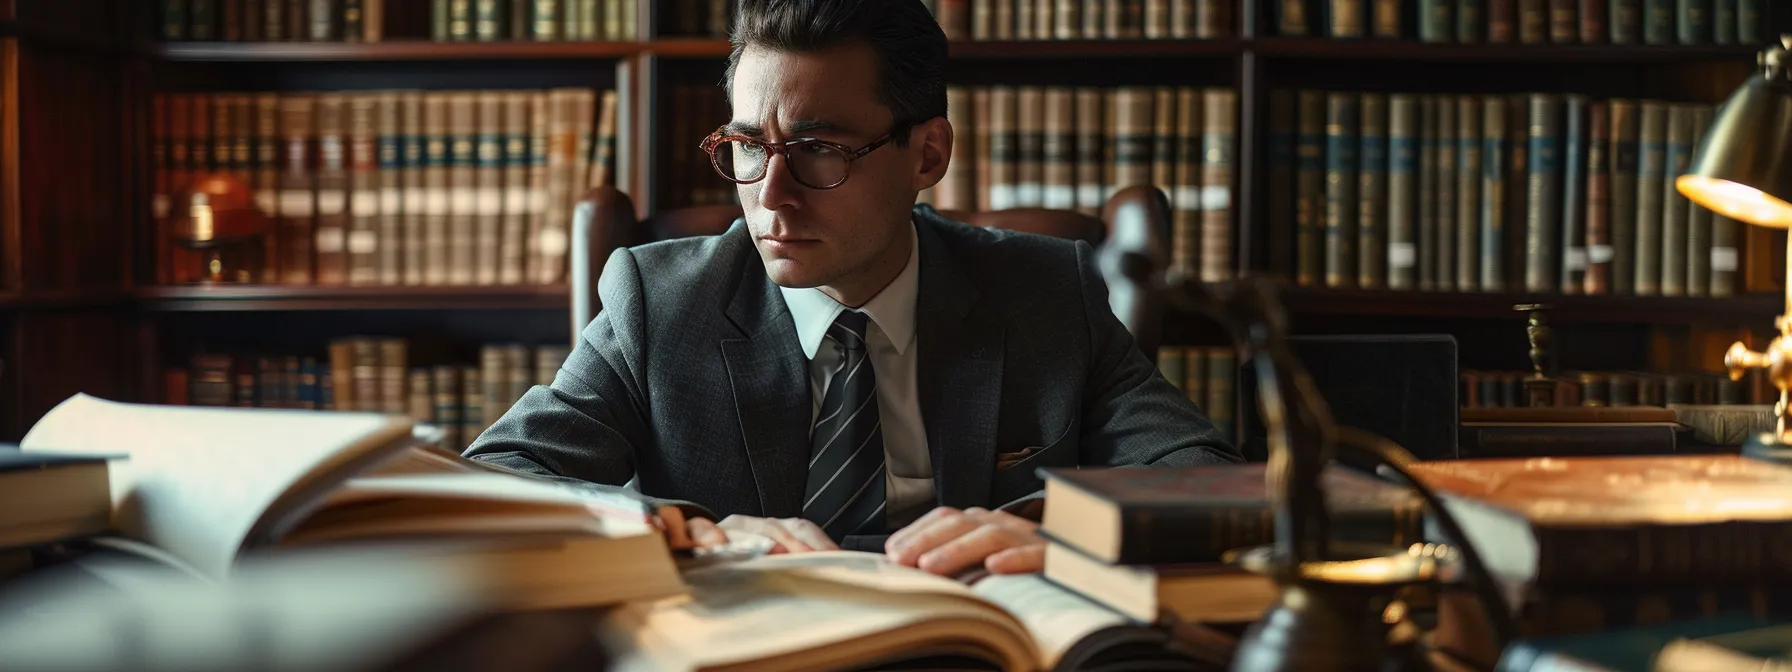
1444, 246
1341, 127
1626, 21
1599, 198
1658, 21
1437, 21
1572, 187
1471, 21
514, 228
1219, 115
414, 176
1424, 239
390, 190
1674, 221
1029, 147
1651, 173
1344, 19
1723, 21
1543, 227
1185, 197
1593, 14
1748, 21
1470, 174
436, 227
364, 190
1092, 123
1184, 534
1693, 19
1292, 19
1562, 21
1494, 198
1698, 218
1372, 198
488, 177
297, 197
463, 195
1309, 186
1625, 161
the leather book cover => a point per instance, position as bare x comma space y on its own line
1444, 243
1029, 147
1698, 217
1572, 187
1470, 174
1674, 210
1309, 188
1371, 192
1598, 279
1425, 237
1543, 214
1651, 179
1622, 218
1622, 519
1283, 193
1219, 141
1057, 150
1184, 189
1091, 149
1401, 251
1195, 514
1341, 127
1593, 15
488, 178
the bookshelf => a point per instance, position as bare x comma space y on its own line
83, 305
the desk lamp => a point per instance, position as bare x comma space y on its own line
1741, 170
1339, 605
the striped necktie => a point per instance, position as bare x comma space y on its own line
845, 489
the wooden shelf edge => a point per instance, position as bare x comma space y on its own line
417, 50
1316, 48
62, 299
249, 298
1746, 308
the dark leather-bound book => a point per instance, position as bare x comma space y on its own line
1195, 514
1621, 520
50, 496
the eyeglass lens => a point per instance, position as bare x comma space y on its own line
813, 164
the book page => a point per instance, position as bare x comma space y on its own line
198, 482
1056, 618
830, 610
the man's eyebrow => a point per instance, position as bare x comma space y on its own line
798, 127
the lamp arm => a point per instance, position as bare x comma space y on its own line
1396, 459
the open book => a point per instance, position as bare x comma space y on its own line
852, 610
206, 486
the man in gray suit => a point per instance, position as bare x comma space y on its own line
845, 368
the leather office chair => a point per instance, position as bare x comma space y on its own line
1130, 238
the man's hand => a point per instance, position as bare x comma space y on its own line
947, 541
789, 535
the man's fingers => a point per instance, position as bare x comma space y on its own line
706, 533
672, 521
966, 551
810, 533
901, 537
1018, 560
924, 539
784, 540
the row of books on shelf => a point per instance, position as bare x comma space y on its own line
1073, 147
373, 374
1000, 20
1527, 192
1507, 389
392, 187
1525, 22
1209, 375
370, 20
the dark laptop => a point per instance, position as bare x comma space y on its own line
1400, 386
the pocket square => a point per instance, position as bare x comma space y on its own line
1005, 460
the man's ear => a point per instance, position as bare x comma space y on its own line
934, 138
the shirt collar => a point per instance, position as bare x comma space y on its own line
893, 309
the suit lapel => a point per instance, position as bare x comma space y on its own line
959, 378
770, 380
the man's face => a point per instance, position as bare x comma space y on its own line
812, 237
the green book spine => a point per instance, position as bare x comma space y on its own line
1437, 21
1471, 21
1469, 175
1309, 186
202, 17
1372, 197
1723, 21
1627, 21
1494, 198
1542, 269
1626, 147
1341, 162
1748, 21
1694, 21
174, 20
1572, 188
1402, 195
1658, 21
1651, 168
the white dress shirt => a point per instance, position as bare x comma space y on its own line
908, 481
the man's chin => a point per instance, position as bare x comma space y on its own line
791, 274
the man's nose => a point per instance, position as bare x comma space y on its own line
779, 188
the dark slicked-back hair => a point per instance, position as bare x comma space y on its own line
910, 47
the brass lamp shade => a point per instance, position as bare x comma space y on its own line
1742, 168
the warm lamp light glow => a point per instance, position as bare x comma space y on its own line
1736, 201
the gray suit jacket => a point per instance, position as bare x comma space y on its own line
691, 380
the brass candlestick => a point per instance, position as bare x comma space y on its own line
1540, 386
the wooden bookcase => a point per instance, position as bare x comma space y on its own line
80, 309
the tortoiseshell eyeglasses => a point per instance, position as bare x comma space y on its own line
815, 163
